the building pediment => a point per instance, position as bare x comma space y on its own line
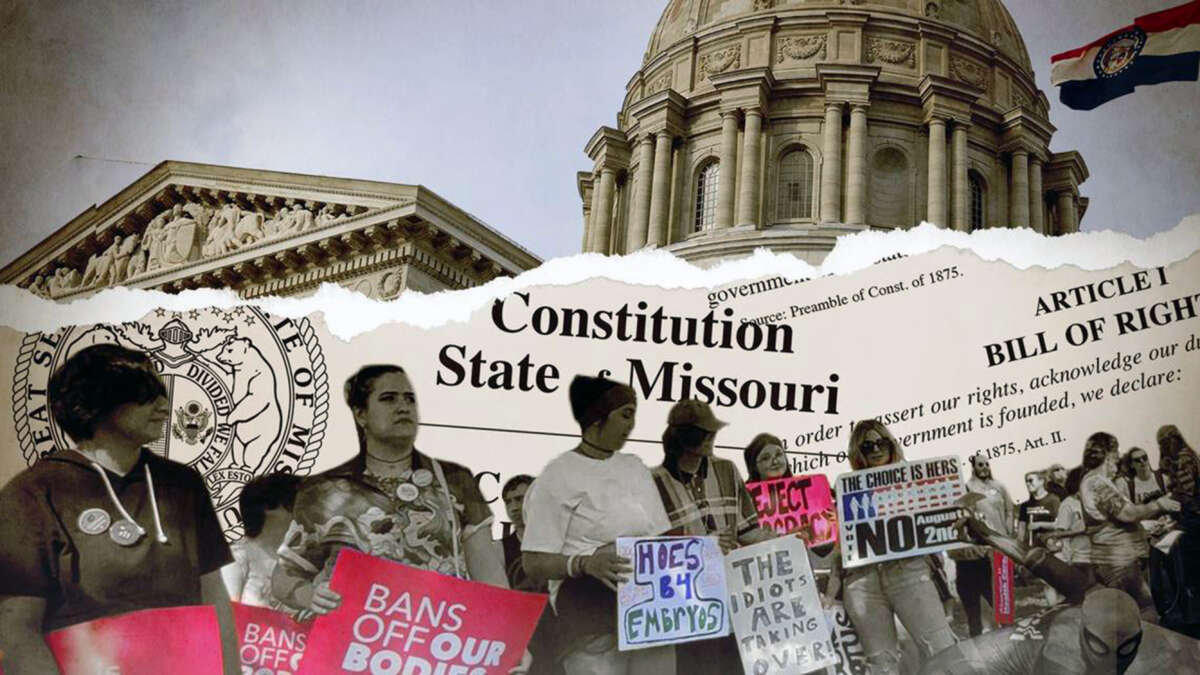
185, 225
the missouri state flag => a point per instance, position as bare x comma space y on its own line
1159, 47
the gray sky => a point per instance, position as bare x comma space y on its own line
487, 102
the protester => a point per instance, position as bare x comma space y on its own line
906, 588
266, 505
973, 565
704, 496
1099, 632
1069, 537
766, 459
1113, 522
1056, 480
581, 502
1179, 579
105, 527
513, 494
1143, 484
543, 644
1039, 511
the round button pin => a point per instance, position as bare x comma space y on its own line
125, 532
407, 492
422, 477
94, 521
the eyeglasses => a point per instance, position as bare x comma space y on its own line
1139, 460
882, 445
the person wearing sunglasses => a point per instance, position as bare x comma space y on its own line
106, 527
909, 588
973, 565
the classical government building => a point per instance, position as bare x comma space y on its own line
183, 226
785, 123
751, 123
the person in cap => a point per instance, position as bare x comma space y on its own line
908, 588
1114, 523
581, 502
107, 526
704, 496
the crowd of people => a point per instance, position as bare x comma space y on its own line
1111, 542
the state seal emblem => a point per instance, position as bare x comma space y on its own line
249, 393
1119, 52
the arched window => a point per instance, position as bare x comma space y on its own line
794, 193
977, 204
706, 197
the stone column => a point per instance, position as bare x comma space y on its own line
726, 178
962, 199
602, 217
639, 218
935, 203
1066, 213
1037, 201
1018, 196
660, 198
831, 165
593, 220
856, 166
750, 180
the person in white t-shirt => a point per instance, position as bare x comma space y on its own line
575, 510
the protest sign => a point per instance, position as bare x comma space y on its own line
899, 510
776, 610
1003, 592
269, 641
399, 619
797, 505
182, 640
847, 646
677, 591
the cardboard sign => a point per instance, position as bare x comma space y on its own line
900, 510
797, 505
676, 593
851, 656
1003, 593
183, 640
269, 642
776, 610
400, 620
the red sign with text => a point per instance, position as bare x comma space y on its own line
182, 640
269, 642
396, 620
1003, 594
797, 505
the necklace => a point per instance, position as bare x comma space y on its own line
387, 461
598, 452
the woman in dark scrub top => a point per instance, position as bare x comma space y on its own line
106, 527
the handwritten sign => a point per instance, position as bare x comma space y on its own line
775, 609
797, 505
396, 620
851, 656
1003, 593
269, 642
183, 640
898, 511
676, 593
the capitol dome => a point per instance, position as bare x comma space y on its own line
785, 123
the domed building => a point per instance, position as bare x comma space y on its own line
785, 123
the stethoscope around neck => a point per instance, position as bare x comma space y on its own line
140, 531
